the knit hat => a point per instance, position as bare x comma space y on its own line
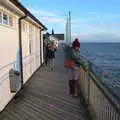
76, 43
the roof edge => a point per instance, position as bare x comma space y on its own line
22, 8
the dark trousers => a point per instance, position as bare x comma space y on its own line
71, 87
46, 60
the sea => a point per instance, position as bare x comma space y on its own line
105, 59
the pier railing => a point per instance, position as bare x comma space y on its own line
103, 104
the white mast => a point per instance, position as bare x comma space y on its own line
68, 29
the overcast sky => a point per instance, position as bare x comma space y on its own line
92, 20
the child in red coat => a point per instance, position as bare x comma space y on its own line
72, 58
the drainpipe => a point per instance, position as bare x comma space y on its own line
41, 47
20, 47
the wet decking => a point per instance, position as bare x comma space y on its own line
45, 97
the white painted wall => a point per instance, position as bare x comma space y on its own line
8, 49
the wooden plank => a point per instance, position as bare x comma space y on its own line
45, 97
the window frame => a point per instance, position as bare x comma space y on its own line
12, 24
12, 18
1, 17
24, 27
7, 20
30, 39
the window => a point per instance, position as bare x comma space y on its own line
5, 19
30, 39
14, 21
10, 20
24, 27
30, 46
30, 29
0, 17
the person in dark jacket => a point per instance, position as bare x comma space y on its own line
72, 62
50, 55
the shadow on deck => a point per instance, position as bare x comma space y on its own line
45, 97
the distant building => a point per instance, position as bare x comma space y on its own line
10, 35
57, 36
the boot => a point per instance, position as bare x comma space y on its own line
72, 87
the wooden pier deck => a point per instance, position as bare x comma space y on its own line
45, 97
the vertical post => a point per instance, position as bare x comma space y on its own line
88, 100
89, 70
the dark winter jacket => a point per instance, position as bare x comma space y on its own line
73, 54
